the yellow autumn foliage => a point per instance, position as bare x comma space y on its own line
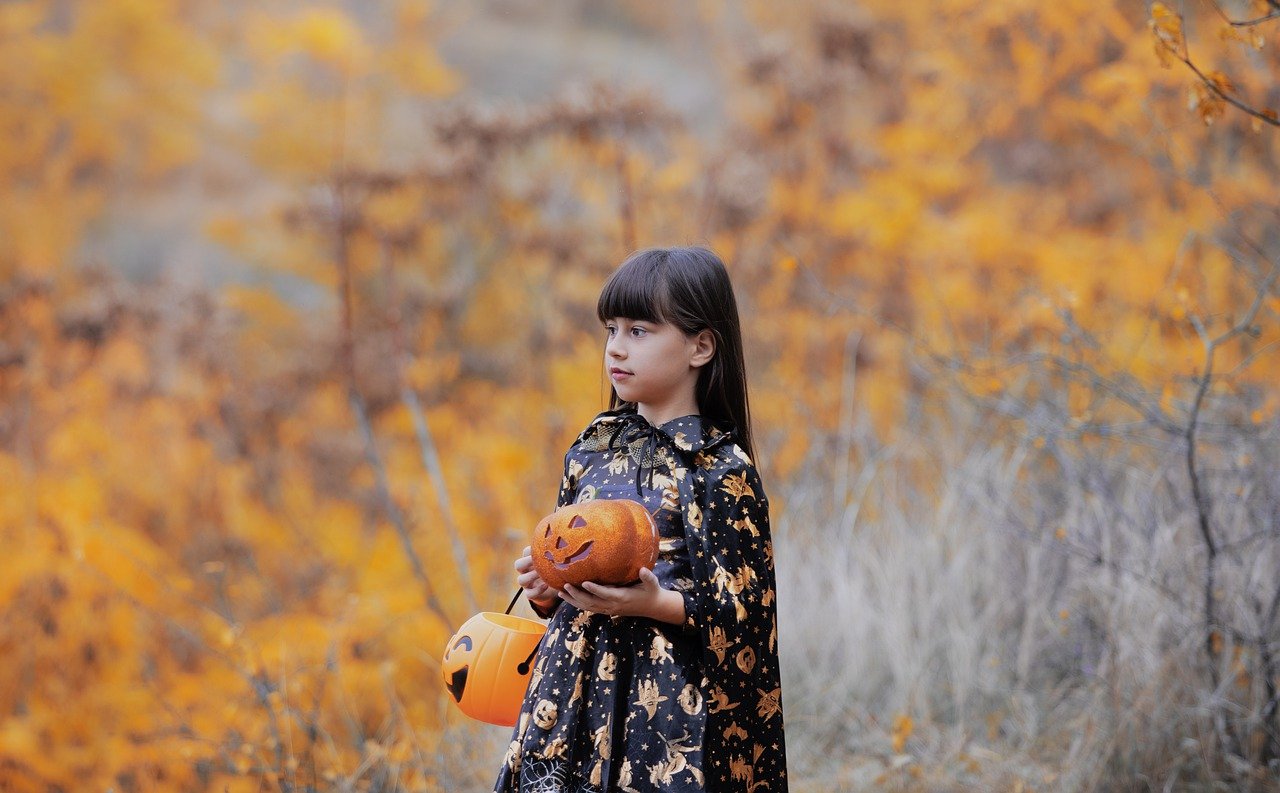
236, 584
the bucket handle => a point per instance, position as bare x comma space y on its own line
523, 668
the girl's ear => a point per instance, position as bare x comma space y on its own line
704, 347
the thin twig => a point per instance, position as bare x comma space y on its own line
845, 437
426, 442
1184, 56
626, 204
1245, 23
389, 504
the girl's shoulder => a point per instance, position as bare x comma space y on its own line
725, 458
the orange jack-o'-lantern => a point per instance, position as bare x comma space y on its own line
487, 665
602, 540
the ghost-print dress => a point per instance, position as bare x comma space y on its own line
638, 705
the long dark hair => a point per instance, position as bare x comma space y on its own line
689, 288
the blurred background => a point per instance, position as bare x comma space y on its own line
297, 317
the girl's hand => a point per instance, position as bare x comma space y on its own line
645, 599
535, 589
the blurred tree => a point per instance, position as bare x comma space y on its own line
244, 522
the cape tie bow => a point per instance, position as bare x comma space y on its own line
633, 428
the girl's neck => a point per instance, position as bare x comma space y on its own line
659, 414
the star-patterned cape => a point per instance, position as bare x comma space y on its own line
632, 704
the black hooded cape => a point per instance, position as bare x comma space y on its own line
731, 607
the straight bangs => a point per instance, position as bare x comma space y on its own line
637, 290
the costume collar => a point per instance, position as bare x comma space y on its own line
705, 435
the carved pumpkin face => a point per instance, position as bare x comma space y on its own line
603, 540
487, 665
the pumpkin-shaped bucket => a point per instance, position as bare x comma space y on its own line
487, 665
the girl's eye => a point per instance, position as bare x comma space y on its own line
638, 332
609, 329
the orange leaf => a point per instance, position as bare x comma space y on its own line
1221, 82
903, 726
1166, 24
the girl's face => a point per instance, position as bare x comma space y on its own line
654, 363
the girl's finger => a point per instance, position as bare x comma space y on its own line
581, 599
599, 591
568, 597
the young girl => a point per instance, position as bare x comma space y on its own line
671, 684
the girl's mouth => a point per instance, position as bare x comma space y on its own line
619, 374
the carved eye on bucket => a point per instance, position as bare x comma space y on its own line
456, 680
602, 540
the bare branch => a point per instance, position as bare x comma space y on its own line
1251, 22
389, 504
426, 442
1244, 23
1269, 118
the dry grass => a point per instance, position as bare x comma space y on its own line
1035, 612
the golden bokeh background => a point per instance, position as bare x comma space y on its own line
297, 316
